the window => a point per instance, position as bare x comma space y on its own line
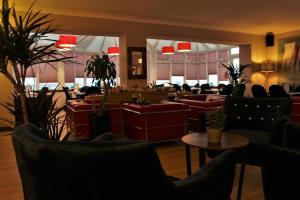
224, 82
160, 82
191, 82
30, 83
213, 79
177, 80
234, 51
202, 82
236, 62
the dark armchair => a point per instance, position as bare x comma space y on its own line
280, 169
110, 168
261, 120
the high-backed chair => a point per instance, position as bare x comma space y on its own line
280, 169
204, 88
261, 120
277, 91
67, 94
259, 91
110, 168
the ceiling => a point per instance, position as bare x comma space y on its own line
245, 16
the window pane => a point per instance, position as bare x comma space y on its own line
177, 80
213, 80
30, 83
191, 82
159, 82
235, 50
80, 82
236, 62
202, 82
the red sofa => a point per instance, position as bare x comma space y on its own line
198, 107
295, 115
155, 122
78, 115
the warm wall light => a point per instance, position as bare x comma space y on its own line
67, 41
184, 47
113, 51
167, 50
267, 67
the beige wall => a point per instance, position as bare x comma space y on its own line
5, 96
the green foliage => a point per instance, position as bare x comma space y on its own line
104, 72
215, 118
236, 73
43, 112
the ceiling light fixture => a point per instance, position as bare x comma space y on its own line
113, 51
59, 47
67, 41
184, 47
167, 50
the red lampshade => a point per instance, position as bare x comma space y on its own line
113, 51
67, 41
167, 50
59, 47
184, 47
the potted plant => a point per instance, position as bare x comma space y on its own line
236, 74
215, 120
19, 50
104, 74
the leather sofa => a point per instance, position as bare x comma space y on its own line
79, 113
198, 108
155, 122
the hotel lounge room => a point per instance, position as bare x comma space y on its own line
149, 99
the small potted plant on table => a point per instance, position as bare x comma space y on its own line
215, 120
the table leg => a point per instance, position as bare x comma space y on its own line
201, 157
188, 160
242, 173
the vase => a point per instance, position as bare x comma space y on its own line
214, 135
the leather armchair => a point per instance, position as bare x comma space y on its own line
261, 120
280, 169
110, 168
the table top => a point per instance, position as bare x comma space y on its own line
228, 141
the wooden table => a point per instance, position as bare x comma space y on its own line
228, 142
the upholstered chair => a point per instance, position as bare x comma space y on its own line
280, 168
259, 91
110, 168
261, 120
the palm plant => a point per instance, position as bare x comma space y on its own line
19, 49
103, 72
236, 73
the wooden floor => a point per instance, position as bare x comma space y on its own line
172, 157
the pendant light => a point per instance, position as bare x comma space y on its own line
59, 47
67, 41
184, 47
168, 50
113, 51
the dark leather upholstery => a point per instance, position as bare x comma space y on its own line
261, 120
259, 91
277, 91
280, 172
110, 168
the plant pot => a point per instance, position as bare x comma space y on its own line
214, 135
99, 125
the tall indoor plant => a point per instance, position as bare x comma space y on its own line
20, 50
104, 73
236, 73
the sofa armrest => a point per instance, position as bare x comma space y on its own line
278, 131
213, 181
292, 136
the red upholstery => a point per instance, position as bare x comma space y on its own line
79, 112
198, 97
197, 107
155, 122
295, 115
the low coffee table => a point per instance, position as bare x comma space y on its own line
228, 142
